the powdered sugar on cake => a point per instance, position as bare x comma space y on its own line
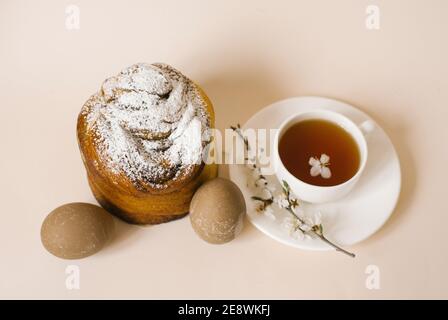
150, 123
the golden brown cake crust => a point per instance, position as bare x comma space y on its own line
138, 196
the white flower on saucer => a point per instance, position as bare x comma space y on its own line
264, 193
269, 212
291, 225
271, 188
314, 220
305, 227
320, 166
261, 182
295, 229
297, 234
282, 201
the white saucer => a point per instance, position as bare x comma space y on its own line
346, 221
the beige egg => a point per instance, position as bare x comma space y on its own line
76, 230
217, 211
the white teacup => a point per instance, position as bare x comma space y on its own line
319, 194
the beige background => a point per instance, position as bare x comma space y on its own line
245, 54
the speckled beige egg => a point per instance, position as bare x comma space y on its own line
217, 211
76, 230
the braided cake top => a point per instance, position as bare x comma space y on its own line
150, 123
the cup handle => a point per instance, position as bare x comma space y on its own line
367, 127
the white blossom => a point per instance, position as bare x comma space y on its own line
282, 201
289, 223
296, 229
320, 166
313, 220
271, 188
305, 227
297, 234
261, 182
269, 212
264, 193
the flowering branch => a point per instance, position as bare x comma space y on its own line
287, 202
316, 229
